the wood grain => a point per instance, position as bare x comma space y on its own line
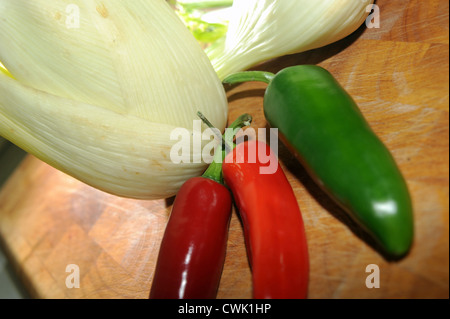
398, 74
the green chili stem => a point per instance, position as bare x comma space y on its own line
208, 123
214, 170
249, 76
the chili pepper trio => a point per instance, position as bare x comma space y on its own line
322, 125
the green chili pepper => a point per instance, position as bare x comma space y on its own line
320, 122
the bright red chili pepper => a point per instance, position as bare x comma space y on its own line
273, 225
192, 251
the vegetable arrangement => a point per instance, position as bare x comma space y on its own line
100, 106
193, 248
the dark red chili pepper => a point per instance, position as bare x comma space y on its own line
192, 252
193, 249
273, 225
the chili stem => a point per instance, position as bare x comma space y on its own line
208, 123
214, 170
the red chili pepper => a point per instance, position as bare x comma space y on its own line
192, 251
273, 225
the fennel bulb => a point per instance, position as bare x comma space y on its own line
98, 87
260, 30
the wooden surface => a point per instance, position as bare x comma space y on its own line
398, 74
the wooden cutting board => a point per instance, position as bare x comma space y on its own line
397, 73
